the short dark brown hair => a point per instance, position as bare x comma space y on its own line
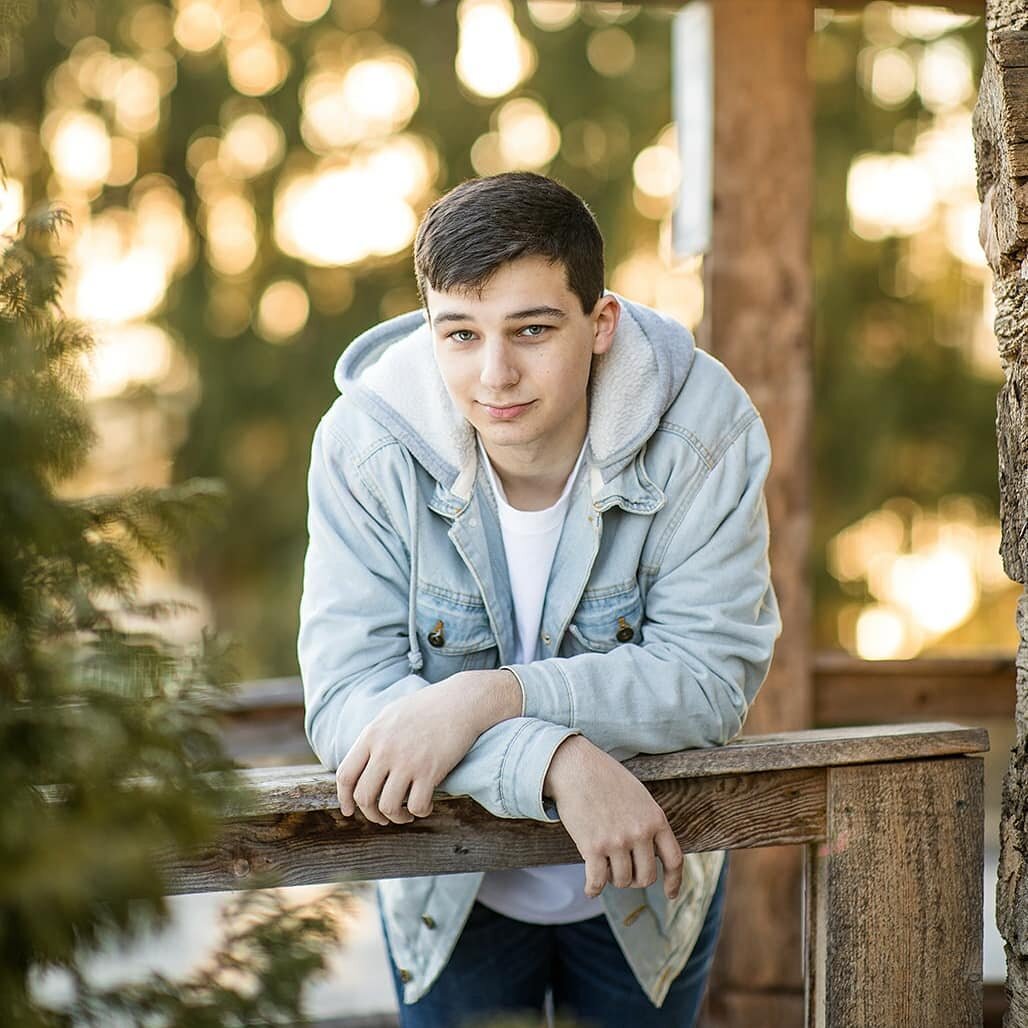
467, 234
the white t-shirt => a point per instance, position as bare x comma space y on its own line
554, 894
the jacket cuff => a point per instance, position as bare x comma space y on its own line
546, 691
524, 767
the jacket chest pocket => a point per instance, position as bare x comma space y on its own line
606, 618
454, 635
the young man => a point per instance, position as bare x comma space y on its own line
538, 546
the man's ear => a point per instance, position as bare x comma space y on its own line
605, 322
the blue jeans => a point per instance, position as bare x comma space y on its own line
502, 965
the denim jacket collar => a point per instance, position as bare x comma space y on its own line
392, 373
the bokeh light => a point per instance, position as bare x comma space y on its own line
231, 233
257, 66
492, 58
374, 97
341, 216
12, 204
527, 137
306, 10
80, 148
283, 310
611, 52
889, 194
198, 26
126, 356
553, 15
252, 144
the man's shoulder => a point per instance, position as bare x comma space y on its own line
355, 430
711, 409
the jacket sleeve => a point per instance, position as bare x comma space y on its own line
354, 640
709, 626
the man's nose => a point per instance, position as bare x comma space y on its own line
498, 370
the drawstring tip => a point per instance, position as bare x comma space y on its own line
415, 660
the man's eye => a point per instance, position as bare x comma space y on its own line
534, 330
462, 335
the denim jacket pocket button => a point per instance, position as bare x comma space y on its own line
429, 920
405, 975
625, 631
437, 637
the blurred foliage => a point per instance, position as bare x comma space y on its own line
900, 411
109, 747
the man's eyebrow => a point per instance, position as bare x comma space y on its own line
528, 312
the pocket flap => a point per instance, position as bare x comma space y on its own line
606, 619
452, 625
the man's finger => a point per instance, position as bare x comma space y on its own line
368, 790
419, 803
597, 873
645, 864
621, 868
390, 802
347, 774
670, 854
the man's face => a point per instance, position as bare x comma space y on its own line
516, 358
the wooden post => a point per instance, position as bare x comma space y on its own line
758, 289
896, 890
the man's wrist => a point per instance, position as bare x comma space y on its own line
497, 696
566, 758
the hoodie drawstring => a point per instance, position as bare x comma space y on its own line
414, 654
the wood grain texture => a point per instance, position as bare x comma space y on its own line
895, 898
312, 846
310, 787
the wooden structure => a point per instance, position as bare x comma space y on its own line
758, 319
1000, 129
889, 819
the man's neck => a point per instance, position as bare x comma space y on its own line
535, 481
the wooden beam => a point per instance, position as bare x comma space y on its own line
309, 847
848, 690
758, 320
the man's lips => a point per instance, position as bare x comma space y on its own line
507, 412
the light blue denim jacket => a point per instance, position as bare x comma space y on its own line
666, 533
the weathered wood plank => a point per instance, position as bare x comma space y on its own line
314, 846
280, 790
896, 898
849, 690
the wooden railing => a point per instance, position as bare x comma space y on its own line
890, 817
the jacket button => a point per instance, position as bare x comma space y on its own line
436, 637
430, 921
546, 638
625, 632
405, 975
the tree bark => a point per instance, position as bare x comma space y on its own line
1000, 129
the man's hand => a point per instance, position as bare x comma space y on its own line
618, 827
415, 741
